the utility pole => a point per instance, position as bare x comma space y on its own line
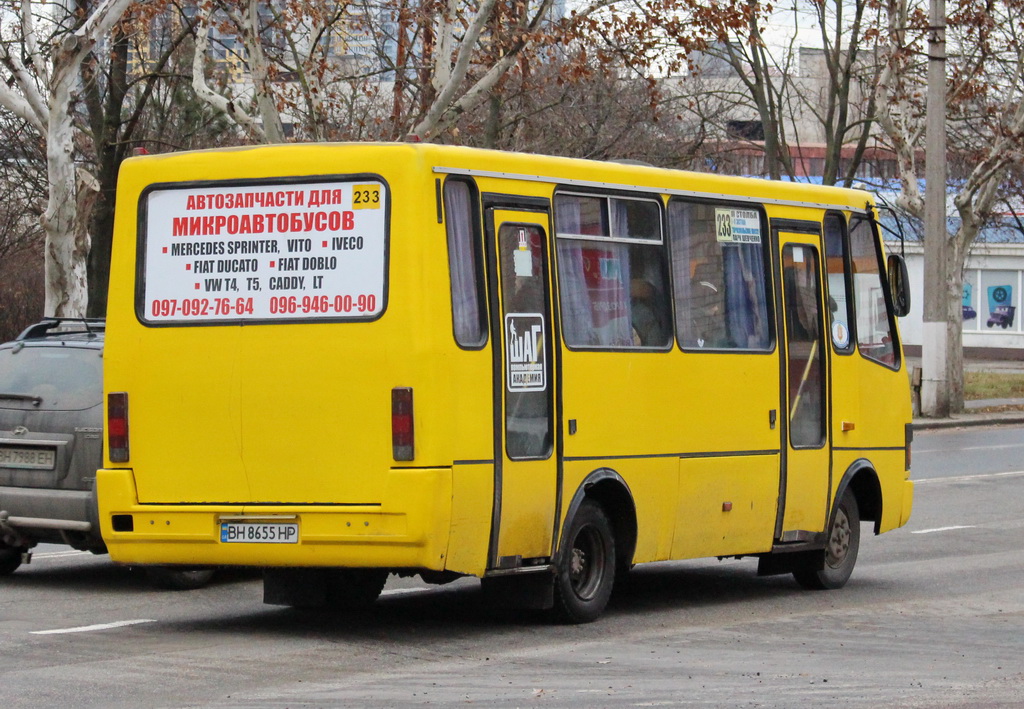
935, 382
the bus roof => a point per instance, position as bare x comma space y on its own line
571, 172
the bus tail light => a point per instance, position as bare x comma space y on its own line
117, 426
402, 438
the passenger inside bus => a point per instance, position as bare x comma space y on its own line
650, 327
707, 322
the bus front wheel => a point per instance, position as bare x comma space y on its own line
840, 552
586, 575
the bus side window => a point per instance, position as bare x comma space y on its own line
718, 269
465, 262
839, 304
874, 323
612, 273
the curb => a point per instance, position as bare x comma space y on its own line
1013, 418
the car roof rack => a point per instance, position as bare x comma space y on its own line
48, 327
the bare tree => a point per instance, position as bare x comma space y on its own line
768, 85
41, 60
765, 91
845, 105
291, 65
23, 174
120, 86
432, 61
985, 118
554, 108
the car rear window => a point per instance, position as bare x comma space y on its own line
61, 377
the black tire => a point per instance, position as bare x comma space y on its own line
840, 553
354, 588
172, 579
10, 559
586, 573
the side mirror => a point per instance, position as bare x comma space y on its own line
899, 285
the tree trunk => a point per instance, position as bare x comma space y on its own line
65, 222
110, 151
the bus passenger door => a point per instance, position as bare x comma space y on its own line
805, 485
526, 474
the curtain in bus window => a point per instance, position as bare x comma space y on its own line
720, 294
577, 323
745, 296
648, 303
594, 288
593, 283
874, 332
462, 245
620, 217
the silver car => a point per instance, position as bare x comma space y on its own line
51, 444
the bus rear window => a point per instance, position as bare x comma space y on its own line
295, 251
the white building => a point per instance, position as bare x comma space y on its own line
993, 285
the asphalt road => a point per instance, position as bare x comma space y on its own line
933, 617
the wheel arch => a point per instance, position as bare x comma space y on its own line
862, 479
606, 487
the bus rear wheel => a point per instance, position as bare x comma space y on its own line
10, 559
175, 579
586, 575
840, 553
334, 589
354, 588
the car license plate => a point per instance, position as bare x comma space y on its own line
259, 532
28, 458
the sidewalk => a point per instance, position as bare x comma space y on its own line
969, 418
971, 415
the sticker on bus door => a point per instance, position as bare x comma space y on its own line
525, 352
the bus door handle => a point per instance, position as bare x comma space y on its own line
771, 418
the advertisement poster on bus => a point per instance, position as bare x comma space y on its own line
525, 352
265, 252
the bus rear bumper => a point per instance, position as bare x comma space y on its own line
409, 532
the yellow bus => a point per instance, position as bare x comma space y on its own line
340, 361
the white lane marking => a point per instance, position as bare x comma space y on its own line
57, 554
90, 628
945, 529
398, 591
962, 478
946, 451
